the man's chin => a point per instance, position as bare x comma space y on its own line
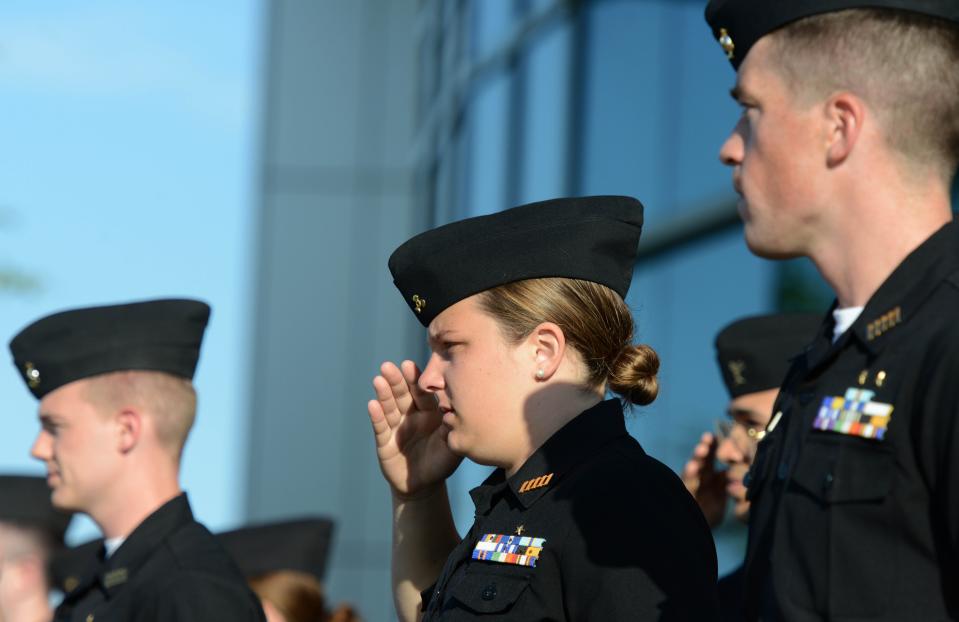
767, 249
61, 500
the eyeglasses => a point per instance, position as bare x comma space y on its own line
725, 427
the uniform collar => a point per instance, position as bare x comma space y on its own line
120, 567
897, 299
80, 582
570, 445
908, 287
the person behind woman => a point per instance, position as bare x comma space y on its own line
285, 562
295, 596
754, 354
528, 331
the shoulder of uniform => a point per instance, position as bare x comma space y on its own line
195, 590
625, 477
193, 551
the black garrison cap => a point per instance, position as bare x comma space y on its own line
301, 544
156, 335
739, 24
25, 501
754, 353
588, 238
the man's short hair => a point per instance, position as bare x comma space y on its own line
168, 399
904, 65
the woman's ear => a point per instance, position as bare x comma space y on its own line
548, 344
845, 115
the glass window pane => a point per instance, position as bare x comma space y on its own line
546, 116
622, 110
492, 24
488, 119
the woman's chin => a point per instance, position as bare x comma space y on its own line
455, 442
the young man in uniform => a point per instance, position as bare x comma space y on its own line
116, 405
845, 151
31, 530
753, 355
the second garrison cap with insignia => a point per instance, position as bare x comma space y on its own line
587, 238
301, 544
754, 353
738, 24
25, 502
155, 335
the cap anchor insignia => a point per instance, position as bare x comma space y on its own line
32, 374
727, 42
736, 368
419, 303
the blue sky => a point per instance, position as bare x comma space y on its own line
127, 158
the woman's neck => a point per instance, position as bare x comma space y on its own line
545, 413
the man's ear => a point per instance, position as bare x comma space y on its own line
130, 424
548, 345
845, 115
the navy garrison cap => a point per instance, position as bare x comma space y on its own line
738, 24
156, 335
587, 238
754, 353
302, 545
25, 502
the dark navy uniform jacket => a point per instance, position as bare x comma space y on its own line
615, 534
855, 493
169, 568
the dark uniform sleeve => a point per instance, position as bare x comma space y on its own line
202, 598
639, 549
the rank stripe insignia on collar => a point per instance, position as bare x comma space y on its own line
516, 550
115, 578
536, 482
885, 323
855, 414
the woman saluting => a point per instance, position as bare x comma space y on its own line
528, 331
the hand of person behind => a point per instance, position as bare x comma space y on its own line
704, 482
409, 431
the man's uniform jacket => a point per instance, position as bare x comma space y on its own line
169, 568
855, 491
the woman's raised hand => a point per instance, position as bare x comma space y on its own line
409, 431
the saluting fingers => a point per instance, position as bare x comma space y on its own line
423, 399
398, 386
382, 431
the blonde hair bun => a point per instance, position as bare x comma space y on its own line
633, 375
